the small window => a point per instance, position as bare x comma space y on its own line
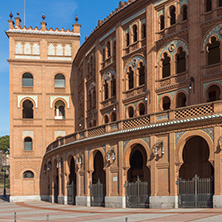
94, 97
113, 117
28, 144
104, 54
27, 79
213, 93
141, 109
27, 109
108, 50
59, 110
166, 103
28, 175
220, 3
172, 15
144, 31
181, 61
106, 90
131, 78
208, 5
106, 119
214, 51
141, 74
113, 86
127, 39
184, 11
60, 81
130, 112
134, 33
181, 100
166, 66
162, 23
114, 47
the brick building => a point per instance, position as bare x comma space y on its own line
133, 119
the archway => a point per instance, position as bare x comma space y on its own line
196, 185
98, 186
56, 184
138, 179
71, 186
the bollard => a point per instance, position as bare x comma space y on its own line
15, 217
47, 220
126, 219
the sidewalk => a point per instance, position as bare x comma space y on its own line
38, 211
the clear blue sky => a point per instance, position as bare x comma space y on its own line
59, 13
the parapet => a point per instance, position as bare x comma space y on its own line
15, 27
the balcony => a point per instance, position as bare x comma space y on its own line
168, 118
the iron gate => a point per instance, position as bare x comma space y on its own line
71, 193
97, 194
56, 193
196, 193
137, 194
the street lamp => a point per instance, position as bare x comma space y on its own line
5, 171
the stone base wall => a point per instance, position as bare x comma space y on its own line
83, 201
164, 202
24, 198
119, 202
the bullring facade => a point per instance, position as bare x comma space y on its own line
132, 118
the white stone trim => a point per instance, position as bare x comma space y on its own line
163, 201
39, 32
107, 34
53, 98
115, 201
90, 50
217, 201
27, 133
34, 98
133, 16
24, 198
60, 58
59, 133
26, 57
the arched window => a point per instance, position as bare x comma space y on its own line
134, 33
114, 47
113, 86
28, 143
106, 119
89, 100
113, 117
104, 54
172, 15
59, 110
94, 97
208, 5
141, 74
213, 51
106, 90
108, 50
27, 109
27, 79
213, 93
90, 124
181, 100
130, 112
184, 12
94, 123
127, 39
141, 109
28, 174
162, 23
166, 66
131, 78
143, 31
181, 61
166, 103
59, 81
219, 3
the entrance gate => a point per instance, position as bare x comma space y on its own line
97, 194
56, 193
196, 193
71, 192
137, 194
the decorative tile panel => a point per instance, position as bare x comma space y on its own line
67, 50
27, 134
210, 132
53, 98
27, 49
59, 50
34, 98
58, 133
183, 2
35, 49
147, 140
178, 136
108, 76
134, 62
51, 50
125, 143
18, 49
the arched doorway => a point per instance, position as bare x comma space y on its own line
98, 186
196, 184
56, 184
138, 179
71, 186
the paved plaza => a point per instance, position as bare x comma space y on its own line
38, 211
